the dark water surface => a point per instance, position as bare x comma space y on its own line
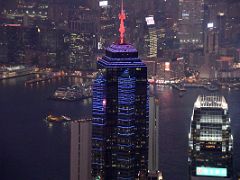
30, 150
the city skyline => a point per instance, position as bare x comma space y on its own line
109, 88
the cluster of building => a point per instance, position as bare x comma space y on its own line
73, 34
123, 134
209, 34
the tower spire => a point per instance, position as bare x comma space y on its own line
122, 17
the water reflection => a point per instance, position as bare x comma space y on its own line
30, 147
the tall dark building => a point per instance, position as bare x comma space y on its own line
210, 140
80, 150
190, 32
120, 114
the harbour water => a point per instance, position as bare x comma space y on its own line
30, 150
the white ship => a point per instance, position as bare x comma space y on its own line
72, 93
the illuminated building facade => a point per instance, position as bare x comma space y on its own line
151, 39
107, 24
210, 140
27, 13
224, 16
120, 115
79, 50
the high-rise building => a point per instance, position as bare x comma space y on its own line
120, 113
107, 24
211, 43
80, 150
210, 140
151, 38
58, 11
79, 48
153, 154
191, 15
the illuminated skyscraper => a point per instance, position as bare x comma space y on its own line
210, 140
120, 113
151, 38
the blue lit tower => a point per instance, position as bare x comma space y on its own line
120, 113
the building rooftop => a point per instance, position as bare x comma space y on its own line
211, 102
122, 48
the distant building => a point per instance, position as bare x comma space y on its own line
58, 11
151, 64
82, 20
106, 24
27, 13
79, 50
153, 153
80, 150
211, 40
191, 14
224, 15
51, 45
151, 38
15, 42
210, 140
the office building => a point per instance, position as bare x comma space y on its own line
210, 140
120, 113
153, 154
151, 38
191, 15
211, 42
80, 150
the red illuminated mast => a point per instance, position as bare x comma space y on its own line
122, 17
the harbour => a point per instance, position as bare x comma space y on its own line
45, 149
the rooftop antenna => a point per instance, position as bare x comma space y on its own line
122, 17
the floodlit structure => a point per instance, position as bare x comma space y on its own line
120, 113
210, 140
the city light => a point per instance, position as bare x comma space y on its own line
167, 66
103, 3
141, 71
210, 171
150, 20
210, 25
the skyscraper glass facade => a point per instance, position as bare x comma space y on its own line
120, 115
210, 139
